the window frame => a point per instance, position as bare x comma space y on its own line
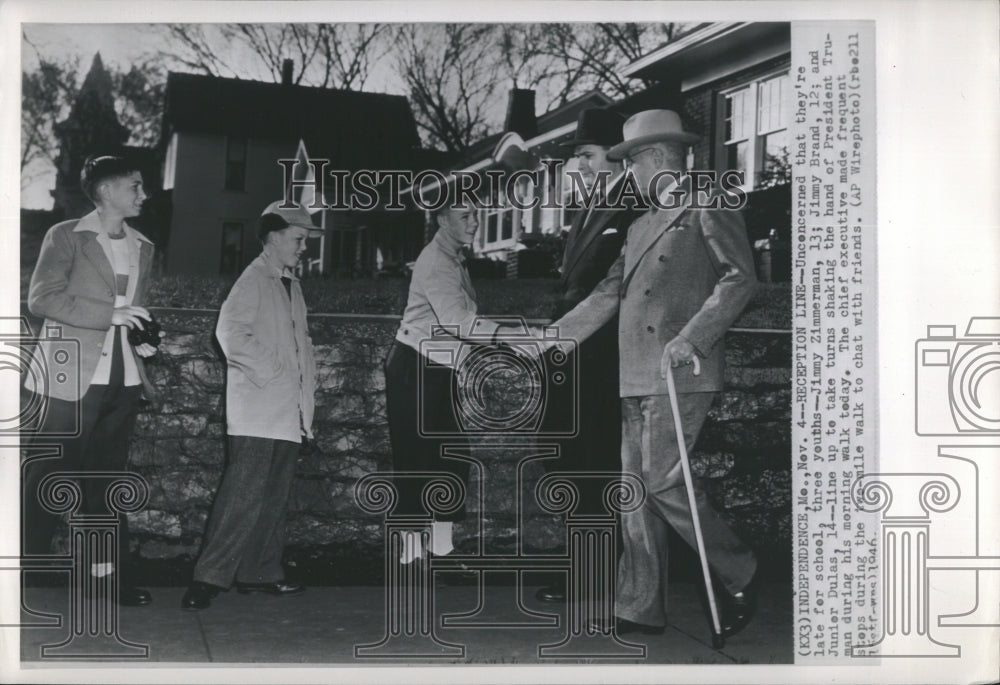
754, 165
499, 211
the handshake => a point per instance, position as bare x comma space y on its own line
531, 342
507, 380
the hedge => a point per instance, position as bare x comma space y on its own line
530, 298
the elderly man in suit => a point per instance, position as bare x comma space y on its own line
592, 245
681, 280
90, 284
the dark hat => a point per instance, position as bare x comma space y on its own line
597, 126
275, 218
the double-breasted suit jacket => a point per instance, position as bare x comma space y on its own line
682, 271
592, 245
73, 288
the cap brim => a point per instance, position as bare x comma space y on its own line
621, 150
312, 228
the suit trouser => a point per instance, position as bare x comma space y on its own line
597, 443
418, 399
106, 416
245, 536
649, 450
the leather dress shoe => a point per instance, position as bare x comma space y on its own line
281, 588
623, 627
738, 609
551, 593
199, 595
131, 596
128, 595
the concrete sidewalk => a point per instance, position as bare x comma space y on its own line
323, 626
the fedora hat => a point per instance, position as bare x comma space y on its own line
596, 126
651, 126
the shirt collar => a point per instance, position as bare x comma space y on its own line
89, 222
92, 222
609, 188
446, 248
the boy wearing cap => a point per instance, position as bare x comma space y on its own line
90, 282
269, 408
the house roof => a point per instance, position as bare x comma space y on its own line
548, 122
552, 126
712, 50
352, 128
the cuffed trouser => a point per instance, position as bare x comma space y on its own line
245, 536
105, 417
416, 400
649, 450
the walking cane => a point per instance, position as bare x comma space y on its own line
718, 640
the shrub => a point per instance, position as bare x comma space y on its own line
532, 298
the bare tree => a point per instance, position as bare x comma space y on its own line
49, 91
325, 55
578, 58
198, 49
451, 73
139, 100
350, 51
46, 96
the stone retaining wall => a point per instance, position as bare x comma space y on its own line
743, 454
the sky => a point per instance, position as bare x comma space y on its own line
120, 45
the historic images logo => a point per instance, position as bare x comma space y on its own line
35, 364
513, 355
430, 190
48, 366
502, 387
958, 380
956, 394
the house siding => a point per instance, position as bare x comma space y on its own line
201, 204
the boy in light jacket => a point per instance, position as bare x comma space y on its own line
269, 408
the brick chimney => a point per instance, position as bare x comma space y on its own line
521, 113
287, 71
